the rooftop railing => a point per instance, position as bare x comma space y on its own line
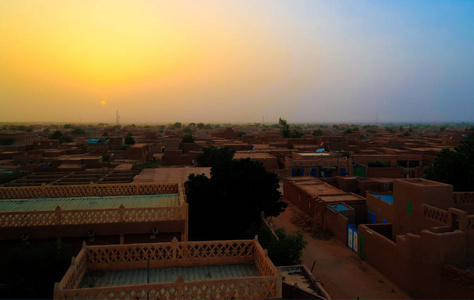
435, 214
115, 189
174, 254
463, 197
92, 216
121, 214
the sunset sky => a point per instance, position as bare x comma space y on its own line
236, 61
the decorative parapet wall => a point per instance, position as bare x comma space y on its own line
435, 214
92, 216
174, 254
470, 223
463, 197
120, 189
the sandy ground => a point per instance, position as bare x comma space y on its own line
344, 274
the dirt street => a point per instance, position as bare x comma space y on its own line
344, 274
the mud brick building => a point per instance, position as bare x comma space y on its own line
96, 213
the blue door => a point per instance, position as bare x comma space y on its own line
352, 237
313, 172
369, 217
293, 172
374, 218
343, 172
301, 172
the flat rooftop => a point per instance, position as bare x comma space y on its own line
98, 278
337, 198
162, 175
321, 189
76, 203
314, 153
257, 155
422, 182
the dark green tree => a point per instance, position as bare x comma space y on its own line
65, 139
285, 129
200, 125
288, 249
455, 167
187, 130
78, 130
129, 140
67, 126
176, 125
229, 203
348, 131
287, 133
212, 155
241, 134
56, 135
295, 134
317, 132
187, 138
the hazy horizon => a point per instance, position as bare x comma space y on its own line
236, 61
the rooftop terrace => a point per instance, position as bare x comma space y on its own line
108, 203
177, 270
141, 276
74, 203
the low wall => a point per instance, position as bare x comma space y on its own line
336, 224
84, 190
414, 262
382, 209
385, 172
174, 254
456, 283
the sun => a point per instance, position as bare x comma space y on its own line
103, 103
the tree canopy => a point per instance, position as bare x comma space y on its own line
455, 167
288, 249
287, 133
187, 130
229, 203
78, 130
65, 139
176, 125
212, 155
317, 132
187, 138
56, 135
129, 140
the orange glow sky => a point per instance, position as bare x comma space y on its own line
221, 61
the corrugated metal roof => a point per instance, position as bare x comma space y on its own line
72, 203
139, 276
